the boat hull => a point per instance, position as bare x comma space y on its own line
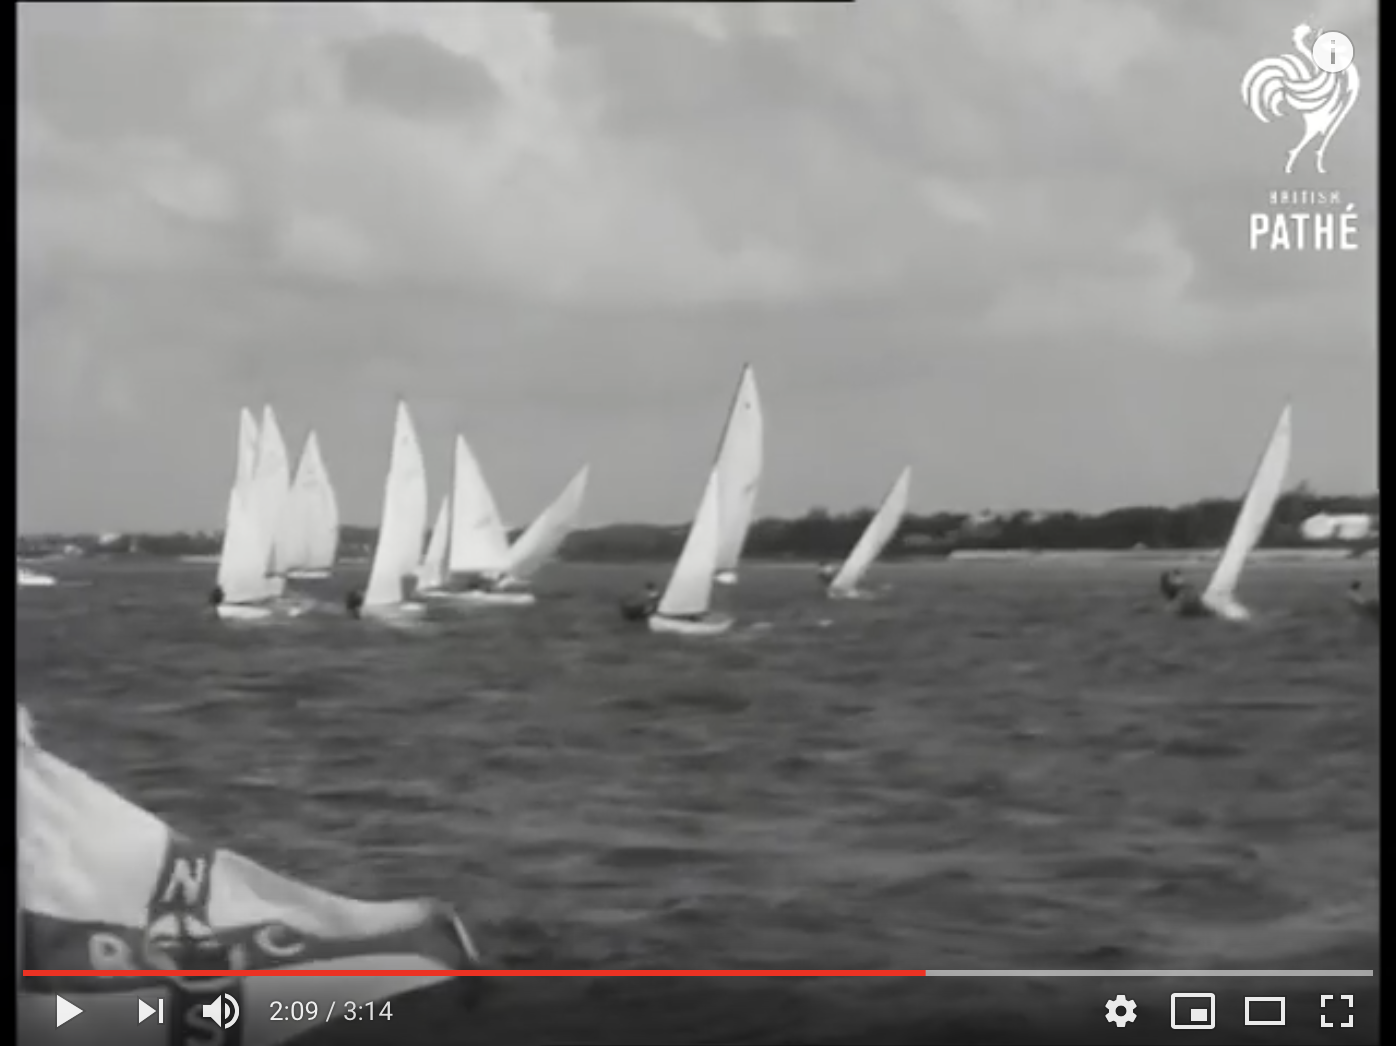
262, 611
1225, 609
480, 598
634, 610
1367, 608
1209, 607
308, 575
244, 612
29, 579
847, 593
713, 625
725, 577
406, 611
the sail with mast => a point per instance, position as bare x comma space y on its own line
875, 537
308, 535
1267, 484
739, 465
481, 566
244, 588
396, 557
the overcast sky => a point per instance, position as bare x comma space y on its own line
1002, 242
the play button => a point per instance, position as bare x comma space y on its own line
66, 1011
144, 1010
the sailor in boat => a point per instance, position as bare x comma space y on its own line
827, 573
215, 597
1364, 604
644, 607
1180, 594
354, 602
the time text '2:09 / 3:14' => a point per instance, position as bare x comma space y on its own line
351, 1010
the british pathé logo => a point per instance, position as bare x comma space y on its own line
1318, 82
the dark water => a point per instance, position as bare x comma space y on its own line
998, 766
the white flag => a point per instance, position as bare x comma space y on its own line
104, 884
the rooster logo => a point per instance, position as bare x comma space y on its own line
1322, 97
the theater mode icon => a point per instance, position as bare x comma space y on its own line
1193, 1010
1265, 1011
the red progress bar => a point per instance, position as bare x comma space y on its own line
181, 974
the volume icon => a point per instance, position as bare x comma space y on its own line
222, 1011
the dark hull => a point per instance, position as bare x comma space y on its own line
633, 610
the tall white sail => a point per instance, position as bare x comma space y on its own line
324, 515
875, 537
242, 564
432, 572
739, 462
690, 587
307, 537
1266, 486
271, 483
242, 556
479, 542
247, 448
404, 516
545, 535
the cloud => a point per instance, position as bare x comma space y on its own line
286, 184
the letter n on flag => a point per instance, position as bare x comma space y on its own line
105, 884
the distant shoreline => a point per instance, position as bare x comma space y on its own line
1139, 555
1304, 525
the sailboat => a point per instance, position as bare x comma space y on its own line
26, 577
1365, 605
545, 535
245, 591
307, 537
879, 531
399, 547
1218, 599
738, 464
684, 606
478, 548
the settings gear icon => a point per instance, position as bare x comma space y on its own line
1119, 1011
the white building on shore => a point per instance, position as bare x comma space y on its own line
1331, 527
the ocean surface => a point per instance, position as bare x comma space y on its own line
1017, 765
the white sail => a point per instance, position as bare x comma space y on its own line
432, 572
479, 542
324, 516
876, 535
404, 516
689, 591
247, 448
545, 535
242, 559
242, 563
271, 482
1266, 486
308, 535
739, 463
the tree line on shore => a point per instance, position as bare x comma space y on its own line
820, 534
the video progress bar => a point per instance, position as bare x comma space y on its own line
337, 973
1150, 973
